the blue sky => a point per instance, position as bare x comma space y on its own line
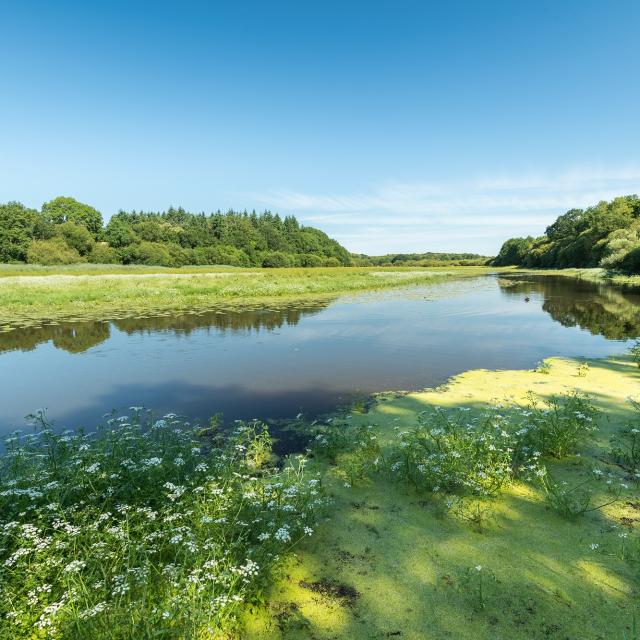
393, 126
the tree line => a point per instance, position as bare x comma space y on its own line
66, 231
428, 259
605, 235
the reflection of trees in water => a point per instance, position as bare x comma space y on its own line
244, 320
73, 337
603, 310
76, 337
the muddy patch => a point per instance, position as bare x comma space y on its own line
344, 593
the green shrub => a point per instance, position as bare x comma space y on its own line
152, 253
626, 445
557, 428
143, 528
76, 236
450, 453
310, 260
275, 259
221, 254
50, 252
635, 351
102, 253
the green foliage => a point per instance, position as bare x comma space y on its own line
429, 259
17, 225
559, 427
635, 351
625, 445
143, 528
64, 209
102, 253
154, 253
448, 452
276, 259
76, 236
171, 238
50, 252
573, 500
513, 251
607, 235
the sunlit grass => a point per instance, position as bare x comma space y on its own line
35, 296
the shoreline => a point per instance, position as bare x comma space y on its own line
34, 300
389, 560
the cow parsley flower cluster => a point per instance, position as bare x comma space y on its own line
142, 528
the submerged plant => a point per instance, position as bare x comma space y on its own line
142, 528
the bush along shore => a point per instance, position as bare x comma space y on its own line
503, 505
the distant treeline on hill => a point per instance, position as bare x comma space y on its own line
66, 231
605, 235
428, 259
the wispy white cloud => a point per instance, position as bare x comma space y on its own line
415, 216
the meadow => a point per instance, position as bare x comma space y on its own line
31, 295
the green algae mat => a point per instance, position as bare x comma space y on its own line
391, 562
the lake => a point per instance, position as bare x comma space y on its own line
276, 363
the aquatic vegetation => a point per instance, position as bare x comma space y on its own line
412, 554
32, 300
474, 581
635, 351
449, 452
144, 527
625, 445
543, 367
573, 500
456, 452
560, 425
583, 369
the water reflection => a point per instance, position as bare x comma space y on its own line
274, 363
76, 337
600, 309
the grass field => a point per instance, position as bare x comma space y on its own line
35, 295
394, 561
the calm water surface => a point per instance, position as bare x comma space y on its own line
275, 363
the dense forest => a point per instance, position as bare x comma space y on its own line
605, 235
66, 231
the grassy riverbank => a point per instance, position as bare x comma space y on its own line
35, 295
597, 275
522, 523
394, 560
